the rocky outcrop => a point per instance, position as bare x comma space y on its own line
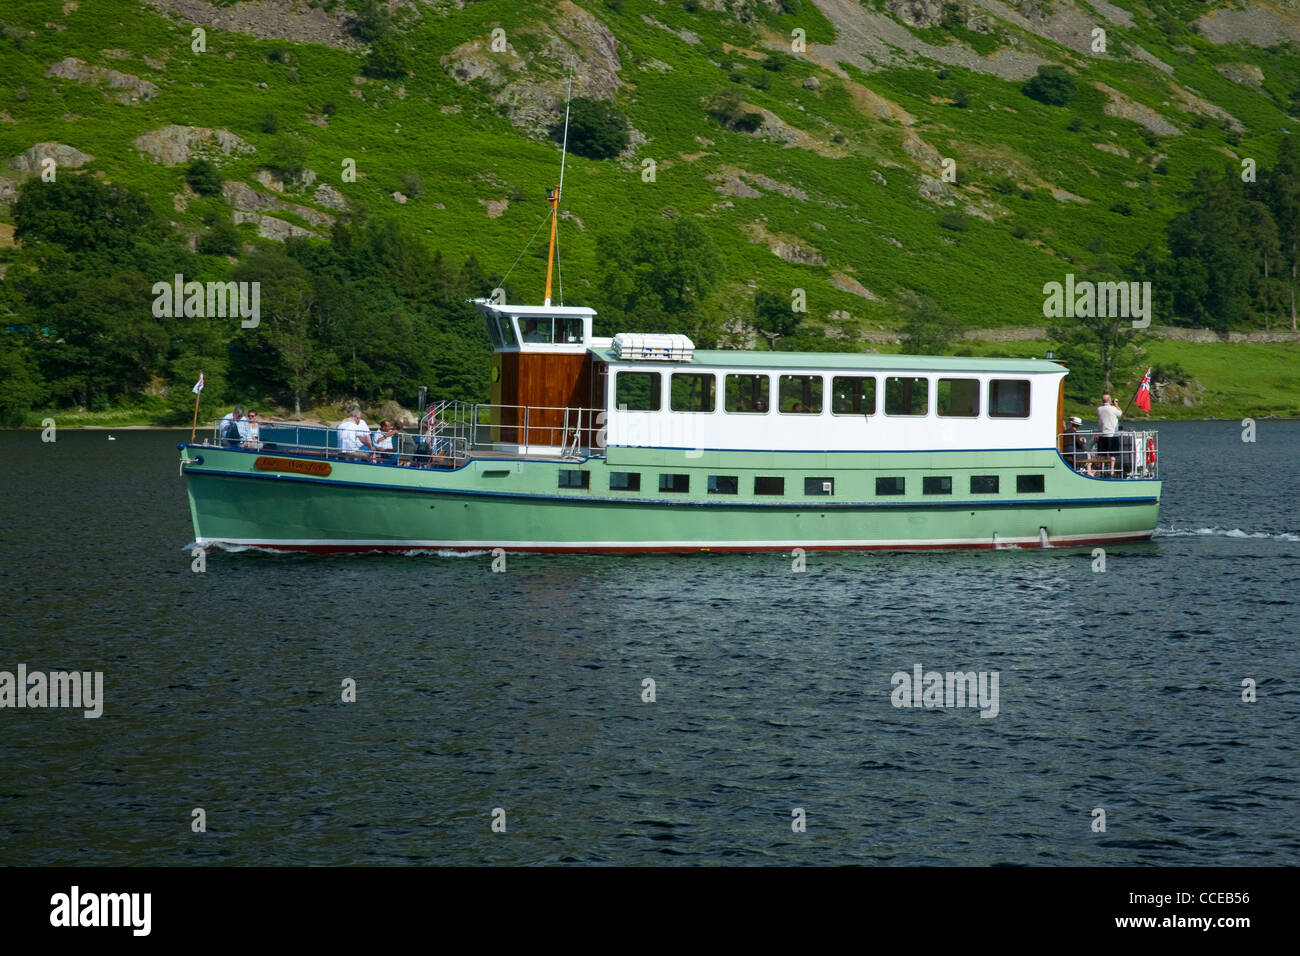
173, 145
1123, 107
29, 160
123, 87
243, 198
329, 197
267, 19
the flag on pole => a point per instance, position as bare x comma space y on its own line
1143, 399
198, 386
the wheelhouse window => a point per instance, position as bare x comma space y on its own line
853, 395
983, 484
572, 478
1008, 398
625, 481
694, 392
907, 396
637, 391
679, 483
747, 394
765, 485
936, 485
568, 331
723, 484
800, 394
891, 486
494, 332
506, 329
958, 397
534, 330
819, 486
1029, 484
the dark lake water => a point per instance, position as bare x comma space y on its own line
522, 690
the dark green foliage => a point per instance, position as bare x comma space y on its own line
371, 21
80, 214
203, 178
927, 329
954, 220
728, 111
270, 123
774, 316
328, 108
412, 186
656, 273
1121, 207
961, 98
597, 129
1053, 86
287, 158
221, 239
388, 58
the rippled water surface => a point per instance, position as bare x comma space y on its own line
523, 691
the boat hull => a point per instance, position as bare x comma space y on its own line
291, 503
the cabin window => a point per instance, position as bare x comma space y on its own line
568, 331
507, 332
692, 392
907, 396
534, 329
494, 332
765, 485
819, 486
625, 481
637, 391
936, 485
801, 395
747, 394
723, 484
1029, 484
1008, 398
891, 486
853, 395
958, 397
983, 484
678, 483
572, 478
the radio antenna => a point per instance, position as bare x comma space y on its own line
553, 195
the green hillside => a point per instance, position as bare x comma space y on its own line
839, 189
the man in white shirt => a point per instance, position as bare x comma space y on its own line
234, 428
354, 436
1108, 416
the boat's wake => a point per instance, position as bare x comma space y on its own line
282, 552
1224, 533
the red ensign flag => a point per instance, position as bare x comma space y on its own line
1144, 392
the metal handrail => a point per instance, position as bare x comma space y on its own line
450, 434
1134, 454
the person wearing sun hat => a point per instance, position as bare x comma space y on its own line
1073, 445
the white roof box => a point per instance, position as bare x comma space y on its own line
653, 346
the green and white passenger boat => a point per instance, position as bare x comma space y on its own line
641, 443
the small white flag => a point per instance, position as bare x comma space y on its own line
198, 386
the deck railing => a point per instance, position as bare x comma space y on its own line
450, 434
1126, 454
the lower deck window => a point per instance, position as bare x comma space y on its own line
983, 484
571, 478
723, 484
891, 486
819, 486
936, 485
1029, 484
769, 485
679, 483
625, 481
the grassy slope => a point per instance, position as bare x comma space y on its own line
984, 275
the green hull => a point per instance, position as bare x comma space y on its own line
517, 504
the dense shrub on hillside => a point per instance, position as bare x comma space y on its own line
388, 58
203, 178
597, 129
1053, 86
221, 239
731, 113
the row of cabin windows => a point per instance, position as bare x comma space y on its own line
804, 394
541, 330
775, 485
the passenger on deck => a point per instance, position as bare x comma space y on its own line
234, 429
1108, 416
1074, 447
383, 439
254, 430
354, 436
